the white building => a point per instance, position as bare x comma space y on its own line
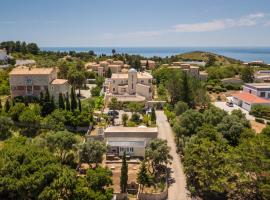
252, 94
132, 140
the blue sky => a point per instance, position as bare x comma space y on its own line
137, 22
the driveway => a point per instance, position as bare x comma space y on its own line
177, 189
222, 105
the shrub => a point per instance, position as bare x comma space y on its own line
259, 120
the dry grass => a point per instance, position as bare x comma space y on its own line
116, 170
256, 126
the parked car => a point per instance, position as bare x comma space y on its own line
113, 113
229, 103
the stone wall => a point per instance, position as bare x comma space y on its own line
160, 196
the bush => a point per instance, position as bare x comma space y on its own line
259, 120
260, 111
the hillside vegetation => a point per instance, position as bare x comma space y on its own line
210, 58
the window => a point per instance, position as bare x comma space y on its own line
142, 81
268, 95
28, 81
114, 89
36, 87
262, 94
113, 81
149, 81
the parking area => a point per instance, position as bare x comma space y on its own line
222, 105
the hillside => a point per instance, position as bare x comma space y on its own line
210, 58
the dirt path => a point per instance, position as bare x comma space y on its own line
177, 190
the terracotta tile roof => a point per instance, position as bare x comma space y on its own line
59, 81
31, 71
250, 98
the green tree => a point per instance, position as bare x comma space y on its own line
153, 115
5, 125
32, 48
61, 143
99, 81
7, 106
124, 174
205, 164
186, 89
95, 91
61, 103
113, 52
30, 120
247, 74
67, 103
73, 102
180, 107
143, 177
16, 110
124, 119
79, 105
55, 121
158, 153
113, 105
109, 73
92, 152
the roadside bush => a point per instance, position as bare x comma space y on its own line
260, 111
260, 120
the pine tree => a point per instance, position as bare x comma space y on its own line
61, 103
73, 100
124, 174
80, 105
67, 103
7, 106
143, 177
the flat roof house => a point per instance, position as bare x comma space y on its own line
27, 81
132, 140
252, 94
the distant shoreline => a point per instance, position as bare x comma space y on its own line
242, 53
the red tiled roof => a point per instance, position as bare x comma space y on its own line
250, 98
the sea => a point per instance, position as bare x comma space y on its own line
245, 54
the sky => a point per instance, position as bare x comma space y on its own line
142, 23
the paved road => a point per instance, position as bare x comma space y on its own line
177, 191
222, 105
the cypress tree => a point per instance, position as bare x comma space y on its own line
143, 177
147, 65
1, 104
73, 100
52, 103
67, 103
153, 115
186, 92
80, 105
61, 103
26, 102
124, 174
47, 96
7, 106
41, 98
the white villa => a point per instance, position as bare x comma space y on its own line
132, 140
131, 86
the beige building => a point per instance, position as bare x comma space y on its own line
191, 70
132, 85
26, 81
116, 66
132, 140
151, 64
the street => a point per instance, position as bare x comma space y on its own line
177, 189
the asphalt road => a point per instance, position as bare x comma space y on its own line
177, 189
